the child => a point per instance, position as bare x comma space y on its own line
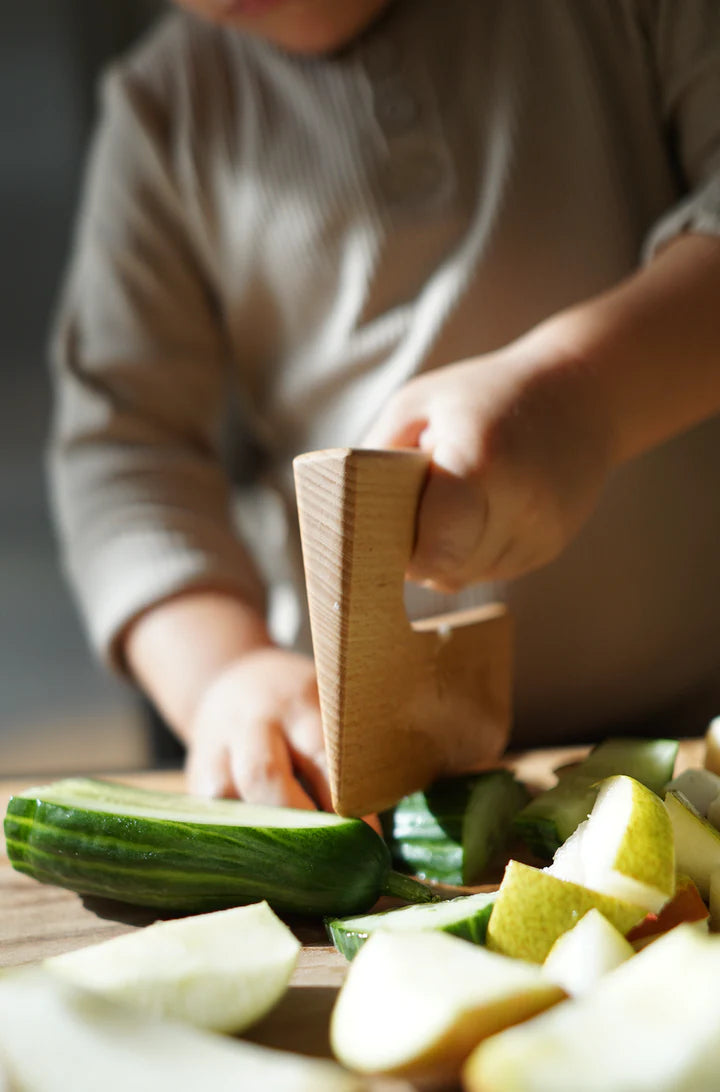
485, 227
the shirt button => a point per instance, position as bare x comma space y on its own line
396, 111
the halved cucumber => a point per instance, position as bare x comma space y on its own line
549, 820
450, 831
181, 852
466, 917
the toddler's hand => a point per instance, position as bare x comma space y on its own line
257, 729
520, 447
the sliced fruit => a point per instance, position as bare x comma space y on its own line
417, 1003
650, 1026
625, 848
712, 746
715, 900
534, 908
697, 842
465, 917
57, 1036
549, 820
450, 832
686, 906
182, 852
579, 958
221, 971
700, 787
713, 812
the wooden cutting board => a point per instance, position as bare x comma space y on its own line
39, 920
402, 703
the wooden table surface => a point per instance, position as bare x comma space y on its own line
38, 920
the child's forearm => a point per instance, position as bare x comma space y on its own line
652, 345
178, 647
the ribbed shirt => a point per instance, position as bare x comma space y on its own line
268, 246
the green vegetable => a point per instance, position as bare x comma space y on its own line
549, 820
180, 852
466, 917
449, 832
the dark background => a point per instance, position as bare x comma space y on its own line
58, 708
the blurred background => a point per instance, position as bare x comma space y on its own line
59, 711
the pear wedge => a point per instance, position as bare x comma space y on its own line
625, 848
579, 958
697, 841
221, 971
700, 787
534, 908
416, 1004
712, 746
649, 1026
57, 1037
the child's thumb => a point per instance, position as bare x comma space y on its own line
451, 521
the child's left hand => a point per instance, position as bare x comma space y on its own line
521, 446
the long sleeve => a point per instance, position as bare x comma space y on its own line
140, 366
685, 42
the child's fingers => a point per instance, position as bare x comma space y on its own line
262, 769
400, 423
451, 522
207, 772
307, 748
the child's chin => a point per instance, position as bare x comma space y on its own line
310, 42
309, 33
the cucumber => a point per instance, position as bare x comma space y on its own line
465, 917
449, 832
552, 816
184, 853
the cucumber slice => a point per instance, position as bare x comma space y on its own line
222, 971
465, 917
179, 852
449, 832
549, 820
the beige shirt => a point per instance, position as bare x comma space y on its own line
301, 236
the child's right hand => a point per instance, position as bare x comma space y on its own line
257, 731
520, 447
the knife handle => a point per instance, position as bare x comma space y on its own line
400, 704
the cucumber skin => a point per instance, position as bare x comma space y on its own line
552, 816
187, 866
348, 942
426, 830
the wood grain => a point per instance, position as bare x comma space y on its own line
38, 920
401, 704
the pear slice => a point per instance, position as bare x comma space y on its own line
700, 787
715, 900
712, 746
222, 971
580, 957
57, 1037
649, 1026
417, 1003
624, 848
534, 908
697, 841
